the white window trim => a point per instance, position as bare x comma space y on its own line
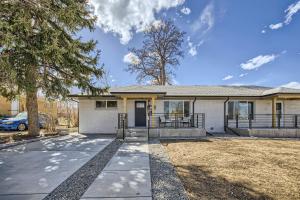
234, 113
178, 100
106, 108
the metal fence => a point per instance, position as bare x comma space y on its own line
263, 121
122, 120
176, 120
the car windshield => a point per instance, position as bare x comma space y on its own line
22, 115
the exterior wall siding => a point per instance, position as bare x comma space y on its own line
291, 106
214, 114
263, 107
92, 120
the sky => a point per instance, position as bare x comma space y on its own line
227, 42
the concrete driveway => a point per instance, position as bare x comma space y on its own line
33, 170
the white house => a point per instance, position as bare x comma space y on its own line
189, 108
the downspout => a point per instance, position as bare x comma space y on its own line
225, 102
194, 110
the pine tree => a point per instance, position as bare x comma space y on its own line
40, 50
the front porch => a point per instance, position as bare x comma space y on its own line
145, 115
265, 125
164, 125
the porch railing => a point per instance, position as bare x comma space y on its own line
176, 120
123, 123
263, 121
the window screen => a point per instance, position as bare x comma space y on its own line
100, 104
230, 110
186, 108
179, 107
241, 108
251, 109
112, 104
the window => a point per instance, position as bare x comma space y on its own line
186, 108
100, 104
106, 104
241, 108
177, 107
140, 105
112, 104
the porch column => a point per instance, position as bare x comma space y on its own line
274, 112
124, 105
153, 107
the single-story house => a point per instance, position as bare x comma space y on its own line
184, 110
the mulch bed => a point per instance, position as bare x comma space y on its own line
165, 182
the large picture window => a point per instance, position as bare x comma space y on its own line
181, 107
241, 108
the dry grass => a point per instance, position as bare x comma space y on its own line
238, 168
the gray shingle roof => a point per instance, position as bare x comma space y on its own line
203, 90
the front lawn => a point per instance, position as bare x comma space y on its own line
238, 168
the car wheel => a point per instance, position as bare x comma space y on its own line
21, 127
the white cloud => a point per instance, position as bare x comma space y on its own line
294, 85
131, 58
263, 31
193, 48
227, 77
275, 26
125, 17
175, 82
258, 61
237, 84
205, 21
193, 51
185, 10
290, 12
242, 75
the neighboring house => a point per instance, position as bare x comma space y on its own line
10, 108
187, 109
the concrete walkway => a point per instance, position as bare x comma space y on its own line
126, 176
33, 170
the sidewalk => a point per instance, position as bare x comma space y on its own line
126, 176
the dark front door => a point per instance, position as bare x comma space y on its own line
140, 113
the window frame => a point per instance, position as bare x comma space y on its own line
106, 107
183, 106
101, 107
236, 109
111, 107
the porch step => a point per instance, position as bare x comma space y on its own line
137, 133
136, 139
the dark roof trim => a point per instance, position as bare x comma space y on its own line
218, 96
138, 92
79, 95
173, 96
280, 93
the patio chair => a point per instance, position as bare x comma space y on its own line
186, 120
164, 121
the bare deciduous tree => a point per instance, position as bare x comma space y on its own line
160, 53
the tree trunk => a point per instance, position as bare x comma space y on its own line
163, 74
33, 115
32, 103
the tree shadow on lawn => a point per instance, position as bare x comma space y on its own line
166, 141
200, 184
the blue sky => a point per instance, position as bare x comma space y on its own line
249, 42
